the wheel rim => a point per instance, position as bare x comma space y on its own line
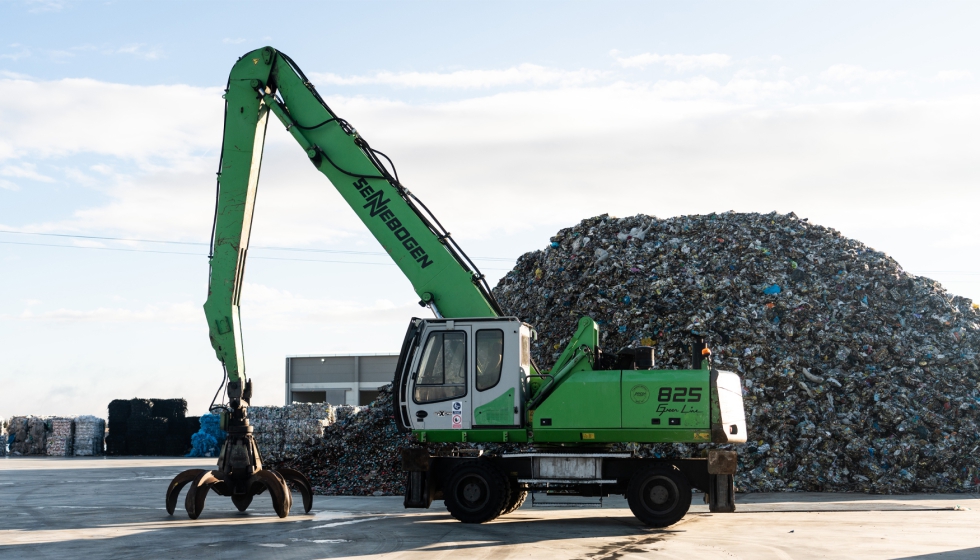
472, 492
660, 495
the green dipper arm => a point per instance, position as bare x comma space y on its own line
266, 80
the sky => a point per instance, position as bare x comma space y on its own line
511, 120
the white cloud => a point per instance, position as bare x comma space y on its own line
58, 55
947, 76
14, 75
21, 52
140, 50
850, 74
524, 74
229, 41
503, 171
679, 62
729, 141
105, 119
169, 313
88, 243
24, 171
271, 309
39, 6
7, 185
77, 176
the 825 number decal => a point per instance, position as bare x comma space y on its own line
679, 394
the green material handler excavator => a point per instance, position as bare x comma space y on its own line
465, 375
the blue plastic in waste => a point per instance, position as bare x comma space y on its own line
627, 299
555, 244
772, 290
207, 442
622, 328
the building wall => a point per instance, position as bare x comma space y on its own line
349, 379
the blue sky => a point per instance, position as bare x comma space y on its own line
511, 120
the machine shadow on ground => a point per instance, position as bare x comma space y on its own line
222, 534
965, 554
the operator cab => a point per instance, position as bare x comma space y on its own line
457, 374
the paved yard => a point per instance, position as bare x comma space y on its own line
114, 508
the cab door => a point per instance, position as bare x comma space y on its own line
441, 386
496, 377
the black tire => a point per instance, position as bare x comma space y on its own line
518, 493
659, 496
475, 492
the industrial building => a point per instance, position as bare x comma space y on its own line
338, 379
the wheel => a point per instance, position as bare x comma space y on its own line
515, 500
476, 492
659, 496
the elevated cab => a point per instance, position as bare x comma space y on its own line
461, 374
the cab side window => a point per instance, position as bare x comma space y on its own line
442, 370
489, 358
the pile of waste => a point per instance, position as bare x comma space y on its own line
358, 454
283, 431
54, 436
150, 427
857, 375
3, 436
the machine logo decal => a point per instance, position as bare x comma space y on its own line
378, 206
640, 394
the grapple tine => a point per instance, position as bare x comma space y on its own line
286, 492
241, 501
198, 492
173, 491
302, 483
278, 491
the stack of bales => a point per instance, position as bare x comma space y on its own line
179, 428
27, 435
89, 436
284, 431
60, 436
269, 430
54, 436
150, 427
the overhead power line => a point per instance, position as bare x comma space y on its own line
122, 249
199, 244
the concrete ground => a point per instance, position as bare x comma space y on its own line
114, 508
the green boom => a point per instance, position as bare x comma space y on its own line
265, 80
